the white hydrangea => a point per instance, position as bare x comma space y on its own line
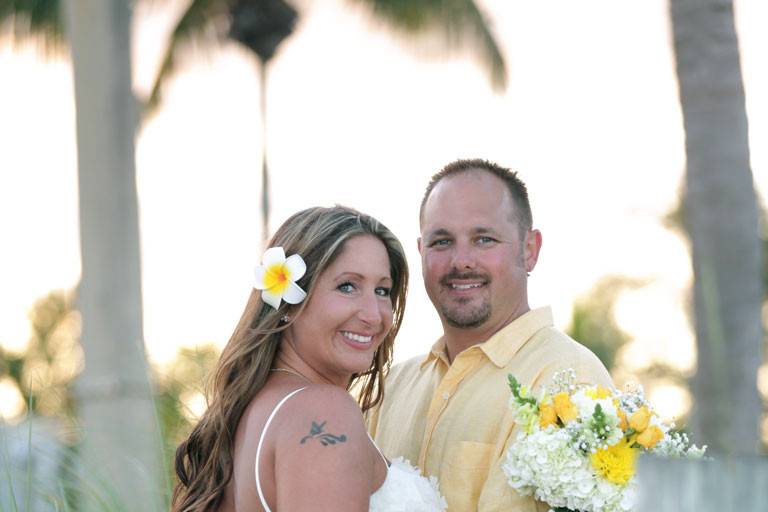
545, 464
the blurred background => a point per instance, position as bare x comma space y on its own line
359, 102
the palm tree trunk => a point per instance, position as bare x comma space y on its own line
121, 448
265, 197
722, 220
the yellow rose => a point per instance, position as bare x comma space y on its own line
650, 437
564, 407
547, 415
623, 423
640, 418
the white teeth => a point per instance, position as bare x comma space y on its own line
465, 286
357, 337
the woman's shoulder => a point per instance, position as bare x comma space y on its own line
323, 456
325, 398
324, 413
327, 395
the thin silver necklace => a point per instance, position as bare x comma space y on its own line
292, 372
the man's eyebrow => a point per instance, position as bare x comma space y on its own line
476, 230
438, 232
482, 230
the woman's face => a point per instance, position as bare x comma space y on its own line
349, 312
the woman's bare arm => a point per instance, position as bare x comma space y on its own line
324, 459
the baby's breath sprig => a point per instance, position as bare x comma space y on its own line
563, 381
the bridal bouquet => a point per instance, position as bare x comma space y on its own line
579, 444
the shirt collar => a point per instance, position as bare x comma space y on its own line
504, 344
500, 347
436, 353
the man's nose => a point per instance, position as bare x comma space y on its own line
463, 256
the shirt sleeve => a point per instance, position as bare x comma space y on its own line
588, 367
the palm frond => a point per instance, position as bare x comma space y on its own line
203, 19
33, 19
461, 22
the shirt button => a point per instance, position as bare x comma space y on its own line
446, 395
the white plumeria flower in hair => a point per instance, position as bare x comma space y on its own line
277, 275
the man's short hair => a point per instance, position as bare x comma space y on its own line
516, 187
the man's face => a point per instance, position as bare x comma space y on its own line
474, 262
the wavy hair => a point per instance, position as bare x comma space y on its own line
204, 461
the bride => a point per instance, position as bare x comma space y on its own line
282, 432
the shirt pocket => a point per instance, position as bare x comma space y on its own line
467, 469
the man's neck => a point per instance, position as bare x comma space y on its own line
458, 340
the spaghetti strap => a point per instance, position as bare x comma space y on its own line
386, 462
261, 441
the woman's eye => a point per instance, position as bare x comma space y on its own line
346, 287
383, 291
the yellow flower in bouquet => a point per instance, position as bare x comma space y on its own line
650, 437
547, 415
616, 463
640, 419
597, 392
578, 445
623, 422
565, 409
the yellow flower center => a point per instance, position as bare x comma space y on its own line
616, 463
276, 278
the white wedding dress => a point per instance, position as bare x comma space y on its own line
403, 490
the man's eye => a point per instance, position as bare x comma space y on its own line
346, 287
483, 240
443, 242
383, 291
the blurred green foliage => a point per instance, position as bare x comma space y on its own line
37, 20
182, 381
45, 370
593, 322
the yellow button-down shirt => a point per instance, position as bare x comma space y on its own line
454, 420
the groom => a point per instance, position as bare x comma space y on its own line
448, 412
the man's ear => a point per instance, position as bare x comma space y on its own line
532, 246
418, 244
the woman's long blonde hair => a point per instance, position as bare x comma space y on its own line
204, 461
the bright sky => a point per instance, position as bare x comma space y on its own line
356, 116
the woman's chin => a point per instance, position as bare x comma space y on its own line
358, 366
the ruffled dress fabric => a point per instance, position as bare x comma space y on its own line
405, 490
